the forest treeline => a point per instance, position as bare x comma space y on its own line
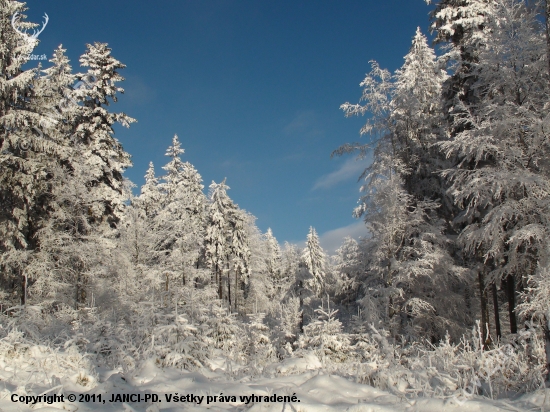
456, 202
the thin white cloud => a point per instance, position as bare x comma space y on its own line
332, 240
350, 170
301, 123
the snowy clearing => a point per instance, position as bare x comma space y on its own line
315, 390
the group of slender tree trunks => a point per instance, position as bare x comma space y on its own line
509, 287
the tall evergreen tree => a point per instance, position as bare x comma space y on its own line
408, 240
217, 228
28, 160
179, 221
315, 261
349, 266
149, 199
102, 153
501, 180
416, 122
273, 251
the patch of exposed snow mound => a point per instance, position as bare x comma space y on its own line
298, 365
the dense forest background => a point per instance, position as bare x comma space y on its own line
450, 293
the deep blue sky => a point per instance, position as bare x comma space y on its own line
252, 88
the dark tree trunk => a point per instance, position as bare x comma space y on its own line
214, 276
301, 306
546, 331
511, 295
220, 288
495, 307
484, 309
23, 290
237, 273
229, 291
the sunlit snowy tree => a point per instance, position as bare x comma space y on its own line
216, 238
315, 261
179, 221
102, 154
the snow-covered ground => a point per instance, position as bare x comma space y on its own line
302, 378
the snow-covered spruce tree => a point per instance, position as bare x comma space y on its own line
69, 265
69, 248
179, 220
215, 240
315, 261
260, 350
416, 121
501, 180
102, 154
176, 343
182, 181
349, 269
138, 240
223, 332
53, 101
290, 318
139, 281
259, 290
273, 252
239, 260
27, 159
406, 111
407, 243
94, 169
150, 196
325, 337
406, 107
227, 247
459, 28
411, 284
290, 258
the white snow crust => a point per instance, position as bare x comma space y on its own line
315, 389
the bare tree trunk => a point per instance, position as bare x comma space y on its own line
546, 331
511, 294
220, 288
23, 290
166, 288
484, 308
301, 306
495, 307
229, 291
237, 273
